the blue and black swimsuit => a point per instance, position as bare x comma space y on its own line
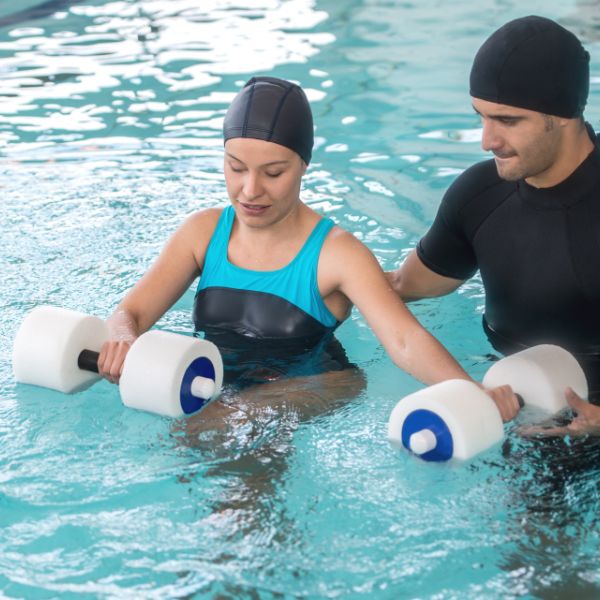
267, 322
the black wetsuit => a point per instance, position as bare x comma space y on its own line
538, 251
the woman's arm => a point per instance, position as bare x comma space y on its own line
348, 266
178, 264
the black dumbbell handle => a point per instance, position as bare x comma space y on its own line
88, 360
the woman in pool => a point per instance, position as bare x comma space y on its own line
270, 267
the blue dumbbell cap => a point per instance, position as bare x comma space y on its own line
423, 420
200, 367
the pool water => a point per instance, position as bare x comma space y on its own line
110, 116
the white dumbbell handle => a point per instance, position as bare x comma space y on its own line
422, 441
202, 387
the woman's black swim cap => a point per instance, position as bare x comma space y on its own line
273, 110
533, 63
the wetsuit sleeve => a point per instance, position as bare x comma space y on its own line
446, 248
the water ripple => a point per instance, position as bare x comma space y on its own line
110, 119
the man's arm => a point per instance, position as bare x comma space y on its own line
413, 280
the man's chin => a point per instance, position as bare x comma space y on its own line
506, 172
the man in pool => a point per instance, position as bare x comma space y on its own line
529, 219
271, 268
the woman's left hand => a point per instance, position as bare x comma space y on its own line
506, 401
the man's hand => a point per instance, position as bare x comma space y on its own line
586, 421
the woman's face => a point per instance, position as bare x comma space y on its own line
263, 180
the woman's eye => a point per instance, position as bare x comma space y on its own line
274, 174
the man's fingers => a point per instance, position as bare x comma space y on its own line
574, 401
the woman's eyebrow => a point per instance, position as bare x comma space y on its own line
273, 162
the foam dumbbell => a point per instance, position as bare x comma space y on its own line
539, 375
163, 373
457, 419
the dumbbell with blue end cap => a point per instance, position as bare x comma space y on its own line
164, 373
457, 419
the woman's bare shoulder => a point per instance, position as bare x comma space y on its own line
207, 217
200, 224
340, 241
194, 234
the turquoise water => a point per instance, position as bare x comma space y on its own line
110, 116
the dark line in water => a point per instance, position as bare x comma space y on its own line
36, 12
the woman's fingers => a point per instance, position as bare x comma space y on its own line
506, 401
111, 359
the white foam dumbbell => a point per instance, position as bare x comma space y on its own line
163, 373
457, 419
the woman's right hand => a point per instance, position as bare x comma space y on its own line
111, 359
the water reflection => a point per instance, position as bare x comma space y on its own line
110, 116
247, 439
553, 482
39, 11
144, 68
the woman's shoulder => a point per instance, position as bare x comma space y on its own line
342, 248
194, 234
206, 216
340, 238
344, 258
202, 222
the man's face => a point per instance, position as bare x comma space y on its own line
526, 144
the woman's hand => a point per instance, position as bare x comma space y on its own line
506, 401
111, 359
124, 330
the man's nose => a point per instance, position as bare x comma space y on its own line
490, 139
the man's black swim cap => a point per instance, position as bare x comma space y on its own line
273, 110
533, 63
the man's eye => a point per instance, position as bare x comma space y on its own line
274, 174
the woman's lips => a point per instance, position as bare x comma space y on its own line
254, 209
